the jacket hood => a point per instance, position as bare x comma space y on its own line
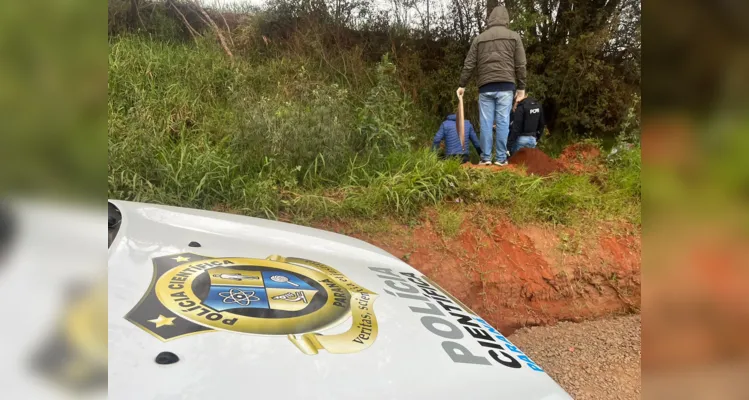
451, 117
498, 17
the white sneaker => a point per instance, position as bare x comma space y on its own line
485, 163
501, 164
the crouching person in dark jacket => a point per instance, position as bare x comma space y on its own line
526, 125
449, 133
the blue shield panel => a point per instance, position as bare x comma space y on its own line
284, 280
222, 298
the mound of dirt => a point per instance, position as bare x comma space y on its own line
581, 158
536, 162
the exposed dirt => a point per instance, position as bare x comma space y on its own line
581, 158
697, 299
536, 162
591, 360
578, 158
517, 277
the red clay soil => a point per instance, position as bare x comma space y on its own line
516, 277
698, 300
536, 162
581, 158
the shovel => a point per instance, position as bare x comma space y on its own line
461, 124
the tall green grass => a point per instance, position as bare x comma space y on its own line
280, 137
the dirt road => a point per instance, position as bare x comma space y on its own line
591, 360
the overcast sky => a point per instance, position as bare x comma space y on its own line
383, 4
438, 6
228, 2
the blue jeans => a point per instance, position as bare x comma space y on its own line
495, 107
523, 141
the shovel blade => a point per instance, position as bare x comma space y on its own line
460, 124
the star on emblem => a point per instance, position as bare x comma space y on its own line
181, 259
162, 320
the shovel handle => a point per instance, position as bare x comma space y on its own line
461, 123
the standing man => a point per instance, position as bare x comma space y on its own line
500, 57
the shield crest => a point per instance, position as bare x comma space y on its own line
232, 289
191, 294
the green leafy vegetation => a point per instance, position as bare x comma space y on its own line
302, 131
449, 221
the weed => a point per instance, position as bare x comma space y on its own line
570, 243
283, 136
483, 222
449, 221
373, 226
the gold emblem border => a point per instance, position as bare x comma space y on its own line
328, 315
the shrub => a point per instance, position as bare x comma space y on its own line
284, 137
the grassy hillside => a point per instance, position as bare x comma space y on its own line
288, 137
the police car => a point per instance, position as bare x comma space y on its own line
206, 305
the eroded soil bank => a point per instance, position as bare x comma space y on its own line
518, 276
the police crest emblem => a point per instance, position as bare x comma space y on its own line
298, 298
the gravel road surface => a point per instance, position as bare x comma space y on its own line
591, 360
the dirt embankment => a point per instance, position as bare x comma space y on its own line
580, 158
536, 162
521, 276
577, 158
516, 277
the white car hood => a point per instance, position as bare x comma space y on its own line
408, 339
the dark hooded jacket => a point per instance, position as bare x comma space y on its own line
526, 120
497, 53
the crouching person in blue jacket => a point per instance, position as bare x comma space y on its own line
449, 133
